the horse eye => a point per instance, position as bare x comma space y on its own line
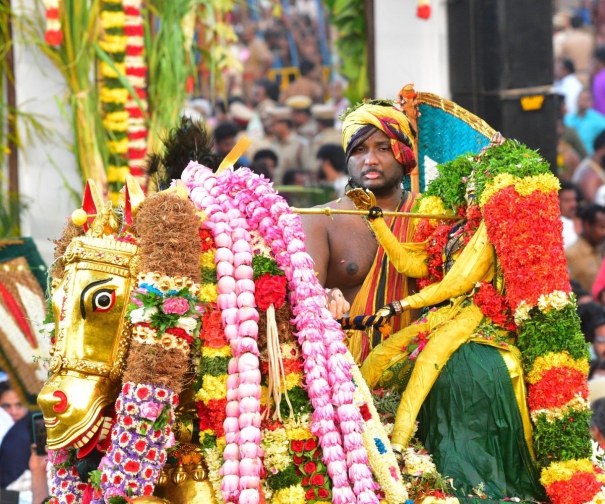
103, 300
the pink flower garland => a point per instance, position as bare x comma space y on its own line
328, 374
242, 466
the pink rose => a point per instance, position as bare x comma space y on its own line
151, 410
177, 305
59, 457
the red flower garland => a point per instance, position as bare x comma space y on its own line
494, 305
524, 231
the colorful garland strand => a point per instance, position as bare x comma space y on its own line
136, 73
554, 353
52, 33
113, 95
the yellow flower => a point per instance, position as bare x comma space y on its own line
276, 447
108, 71
431, 205
563, 471
207, 259
117, 173
118, 95
291, 495
298, 434
545, 182
208, 293
112, 19
114, 43
119, 146
292, 380
263, 395
213, 387
551, 360
216, 352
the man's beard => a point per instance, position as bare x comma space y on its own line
386, 189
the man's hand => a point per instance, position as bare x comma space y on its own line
337, 304
363, 199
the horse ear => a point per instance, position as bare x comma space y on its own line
133, 198
92, 203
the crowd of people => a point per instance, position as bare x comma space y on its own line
579, 51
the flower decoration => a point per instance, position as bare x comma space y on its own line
139, 440
52, 33
136, 73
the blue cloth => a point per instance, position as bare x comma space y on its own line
15, 451
588, 127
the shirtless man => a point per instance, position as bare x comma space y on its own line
342, 246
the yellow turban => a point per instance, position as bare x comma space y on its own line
357, 126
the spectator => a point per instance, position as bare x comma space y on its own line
291, 149
338, 100
326, 132
296, 177
596, 371
261, 168
597, 421
333, 167
568, 202
561, 27
568, 84
582, 296
307, 84
570, 149
225, 139
592, 317
264, 95
579, 46
585, 256
15, 450
304, 124
269, 158
586, 121
257, 59
589, 175
598, 82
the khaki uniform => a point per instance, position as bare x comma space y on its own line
293, 152
327, 136
304, 86
308, 130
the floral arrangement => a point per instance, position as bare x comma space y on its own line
66, 484
52, 34
140, 438
518, 195
136, 73
336, 421
113, 95
164, 310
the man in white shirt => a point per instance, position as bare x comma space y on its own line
568, 201
568, 84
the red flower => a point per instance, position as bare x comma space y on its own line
212, 331
317, 480
581, 487
127, 421
148, 489
297, 459
53, 37
152, 454
310, 495
323, 493
365, 412
69, 498
206, 240
180, 333
524, 230
305, 481
270, 290
557, 387
143, 393
423, 11
310, 444
297, 446
495, 306
310, 467
132, 466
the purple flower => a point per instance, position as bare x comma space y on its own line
177, 305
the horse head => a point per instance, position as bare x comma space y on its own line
92, 334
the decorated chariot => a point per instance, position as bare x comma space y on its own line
194, 358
